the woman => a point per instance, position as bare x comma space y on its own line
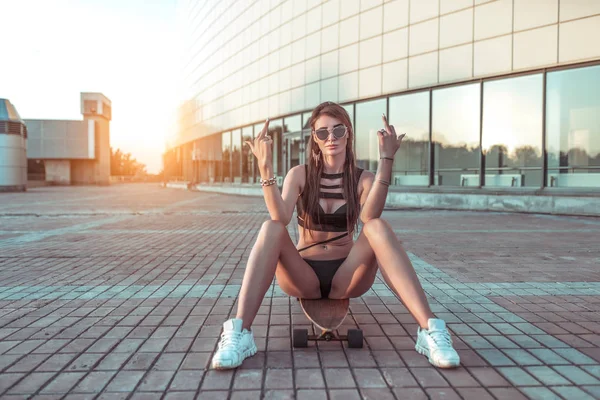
331, 194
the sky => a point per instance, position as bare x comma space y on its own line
125, 49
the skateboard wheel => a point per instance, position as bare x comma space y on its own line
355, 338
300, 337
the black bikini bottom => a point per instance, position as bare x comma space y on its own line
325, 270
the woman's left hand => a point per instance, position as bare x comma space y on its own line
389, 141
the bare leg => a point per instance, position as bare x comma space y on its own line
397, 269
274, 249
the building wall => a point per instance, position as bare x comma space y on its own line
58, 171
83, 172
248, 60
102, 165
59, 139
478, 86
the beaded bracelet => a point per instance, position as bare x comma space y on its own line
386, 158
268, 182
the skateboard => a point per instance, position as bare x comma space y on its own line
328, 315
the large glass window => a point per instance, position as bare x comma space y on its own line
410, 114
368, 122
236, 155
306, 132
455, 133
225, 158
512, 131
293, 141
276, 133
247, 156
573, 127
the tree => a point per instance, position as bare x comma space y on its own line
123, 164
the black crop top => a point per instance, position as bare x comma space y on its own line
330, 222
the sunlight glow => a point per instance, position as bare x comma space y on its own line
125, 50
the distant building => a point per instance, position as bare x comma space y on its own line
13, 149
72, 152
495, 96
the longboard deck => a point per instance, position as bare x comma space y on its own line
327, 314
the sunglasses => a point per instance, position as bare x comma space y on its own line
338, 132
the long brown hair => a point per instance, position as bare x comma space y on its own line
310, 197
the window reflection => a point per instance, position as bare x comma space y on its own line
368, 122
276, 133
306, 131
410, 114
247, 156
293, 140
350, 110
225, 175
455, 134
573, 127
512, 132
236, 155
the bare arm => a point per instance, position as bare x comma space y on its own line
375, 193
375, 187
280, 205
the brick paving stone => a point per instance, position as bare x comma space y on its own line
488, 376
180, 396
196, 361
572, 392
369, 378
410, 393
242, 395
344, 394
459, 377
311, 394
279, 395
215, 380
31, 383
518, 377
7, 380
279, 379
311, 378
399, 377
62, 383
446, 393
576, 375
94, 382
306, 359
540, 393
377, 393
470, 393
279, 359
156, 381
142, 292
112, 361
56, 362
141, 361
339, 378
125, 381
248, 379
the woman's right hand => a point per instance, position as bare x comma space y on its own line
262, 148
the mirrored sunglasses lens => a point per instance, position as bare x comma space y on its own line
339, 131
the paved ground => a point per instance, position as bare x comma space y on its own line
120, 292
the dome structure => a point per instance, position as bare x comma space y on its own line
13, 149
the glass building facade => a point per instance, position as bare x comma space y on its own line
491, 94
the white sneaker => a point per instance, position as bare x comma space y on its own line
435, 343
235, 345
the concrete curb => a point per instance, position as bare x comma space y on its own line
546, 204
